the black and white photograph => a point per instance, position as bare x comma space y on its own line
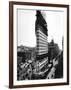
40, 44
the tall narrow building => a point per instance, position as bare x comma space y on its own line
41, 35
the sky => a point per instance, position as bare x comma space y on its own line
26, 27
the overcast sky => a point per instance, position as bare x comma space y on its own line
26, 27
